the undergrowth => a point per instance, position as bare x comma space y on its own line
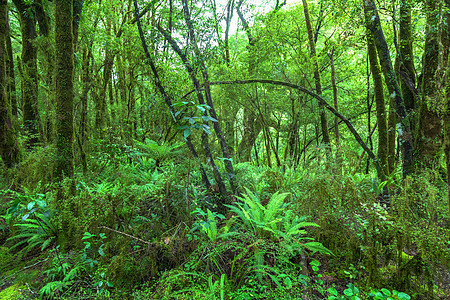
139, 228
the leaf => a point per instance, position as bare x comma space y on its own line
348, 292
25, 216
332, 291
87, 235
386, 292
31, 205
187, 133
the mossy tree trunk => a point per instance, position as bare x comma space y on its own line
11, 80
379, 99
9, 150
429, 140
252, 121
318, 85
406, 58
167, 98
64, 66
30, 73
403, 127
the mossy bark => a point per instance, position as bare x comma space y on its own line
252, 121
9, 150
379, 101
318, 85
403, 127
406, 57
64, 87
30, 74
392, 136
429, 139
11, 80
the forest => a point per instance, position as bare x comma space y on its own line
225, 149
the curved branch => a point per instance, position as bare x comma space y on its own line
325, 104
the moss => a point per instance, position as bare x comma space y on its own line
5, 259
12, 292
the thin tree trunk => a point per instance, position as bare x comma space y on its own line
30, 74
379, 102
163, 92
252, 121
318, 85
403, 128
9, 150
229, 17
217, 128
11, 80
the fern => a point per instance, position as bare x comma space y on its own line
262, 220
34, 233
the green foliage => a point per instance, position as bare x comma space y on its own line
36, 229
353, 293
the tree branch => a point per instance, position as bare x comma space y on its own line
325, 104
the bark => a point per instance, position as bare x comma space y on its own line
379, 102
86, 87
325, 104
77, 9
406, 55
252, 124
252, 128
9, 150
444, 54
230, 9
11, 80
101, 117
64, 66
335, 96
162, 91
392, 136
216, 125
429, 139
30, 74
204, 137
403, 127
447, 131
318, 85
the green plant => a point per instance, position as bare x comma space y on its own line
353, 293
263, 221
64, 272
209, 226
35, 227
275, 220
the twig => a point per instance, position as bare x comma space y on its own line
126, 234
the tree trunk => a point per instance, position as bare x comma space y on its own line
9, 150
11, 80
164, 94
379, 101
64, 67
403, 127
230, 9
30, 74
252, 121
406, 56
312, 48
429, 139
